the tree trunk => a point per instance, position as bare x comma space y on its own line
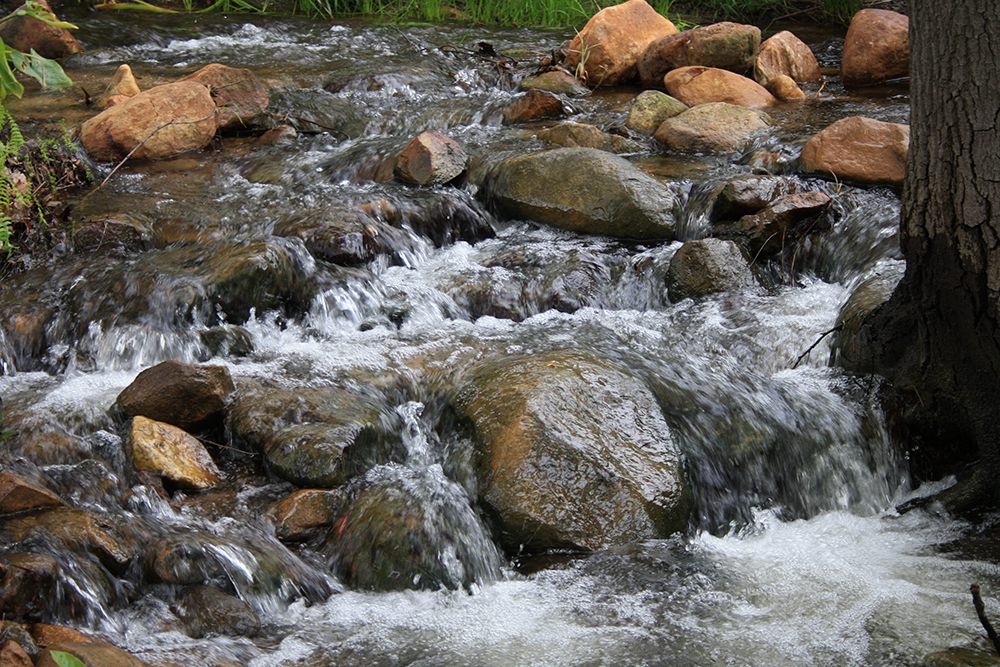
937, 339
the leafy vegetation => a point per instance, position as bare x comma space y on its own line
48, 73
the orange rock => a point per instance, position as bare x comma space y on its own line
46, 635
92, 654
784, 53
12, 655
123, 83
724, 45
431, 158
859, 149
607, 50
239, 95
534, 105
18, 495
299, 514
25, 33
160, 122
877, 47
784, 88
115, 99
699, 85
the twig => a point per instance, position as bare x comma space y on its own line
977, 600
813, 346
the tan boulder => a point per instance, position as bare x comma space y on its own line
711, 128
123, 83
169, 452
877, 48
607, 50
534, 105
859, 149
241, 99
19, 495
160, 122
725, 45
785, 89
431, 158
786, 54
699, 85
25, 33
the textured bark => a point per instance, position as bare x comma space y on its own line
937, 337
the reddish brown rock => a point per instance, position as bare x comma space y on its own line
188, 396
780, 224
241, 99
92, 655
278, 136
27, 584
298, 515
19, 495
730, 46
877, 48
160, 122
785, 89
700, 85
431, 158
46, 635
25, 33
77, 530
859, 149
786, 54
534, 105
607, 50
12, 655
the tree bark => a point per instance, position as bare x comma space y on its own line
937, 339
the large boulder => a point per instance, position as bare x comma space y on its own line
649, 109
581, 135
18, 494
173, 454
240, 98
26, 33
431, 158
607, 49
859, 149
188, 396
707, 266
583, 190
711, 128
849, 350
700, 85
160, 122
573, 452
786, 54
730, 46
877, 47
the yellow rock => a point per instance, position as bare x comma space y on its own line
123, 83
172, 453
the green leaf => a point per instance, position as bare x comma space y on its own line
9, 85
45, 16
46, 72
64, 659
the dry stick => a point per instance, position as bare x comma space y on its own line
813, 346
981, 613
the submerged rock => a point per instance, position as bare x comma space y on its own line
241, 100
347, 238
859, 149
556, 81
607, 49
300, 515
573, 452
717, 127
725, 45
583, 190
701, 85
581, 135
188, 396
535, 105
707, 266
77, 530
877, 47
785, 54
26, 33
848, 349
431, 158
650, 108
17, 494
173, 454
206, 610
28, 584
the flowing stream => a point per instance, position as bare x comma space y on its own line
794, 554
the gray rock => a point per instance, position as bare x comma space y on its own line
707, 266
650, 108
711, 128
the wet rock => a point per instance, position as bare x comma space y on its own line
20, 495
281, 135
240, 98
188, 396
46, 635
28, 584
17, 633
347, 238
182, 560
780, 224
962, 657
122, 85
555, 81
785, 89
299, 515
227, 340
607, 49
25, 33
12, 655
748, 194
785, 54
707, 266
573, 452
116, 232
310, 436
650, 108
582, 190
581, 135
730, 46
716, 127
535, 105
166, 120
443, 219
700, 85
848, 349
91, 655
173, 454
206, 610
859, 149
76, 530
877, 48
431, 158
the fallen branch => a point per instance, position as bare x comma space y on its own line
813, 346
977, 600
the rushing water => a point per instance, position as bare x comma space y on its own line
794, 555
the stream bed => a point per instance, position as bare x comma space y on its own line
793, 554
